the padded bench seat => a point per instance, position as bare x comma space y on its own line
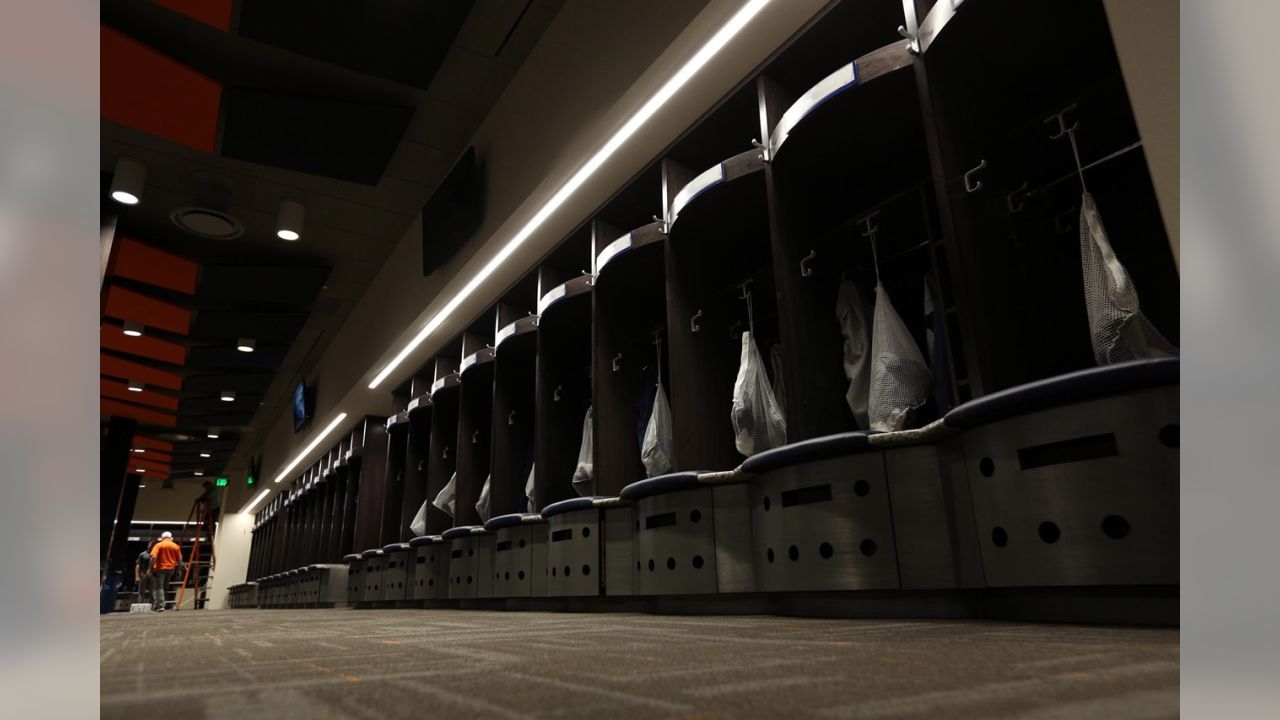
819, 448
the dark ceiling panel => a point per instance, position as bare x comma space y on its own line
255, 383
289, 286
263, 327
230, 419
228, 358
120, 391
393, 39
149, 91
117, 408
141, 441
335, 138
215, 13
206, 405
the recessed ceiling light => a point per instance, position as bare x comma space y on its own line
245, 344
204, 455
139, 470
289, 220
139, 450
198, 473
127, 182
132, 329
135, 386
212, 434
228, 396
141, 486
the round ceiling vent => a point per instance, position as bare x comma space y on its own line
207, 223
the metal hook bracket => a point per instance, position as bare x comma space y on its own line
743, 292
869, 228
555, 396
693, 322
1061, 118
617, 362
969, 184
1019, 193
1060, 221
805, 269
511, 418
913, 47
475, 438
445, 455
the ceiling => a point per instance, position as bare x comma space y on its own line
356, 110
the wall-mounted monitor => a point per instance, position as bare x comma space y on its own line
303, 405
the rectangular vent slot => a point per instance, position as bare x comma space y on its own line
806, 495
657, 521
561, 535
1068, 451
503, 546
455, 554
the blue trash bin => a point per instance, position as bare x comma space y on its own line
110, 588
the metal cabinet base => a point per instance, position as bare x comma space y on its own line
431, 572
397, 574
471, 567
824, 525
1084, 494
372, 578
355, 581
619, 550
520, 561
573, 553
675, 548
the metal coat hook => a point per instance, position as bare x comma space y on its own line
445, 455
1070, 132
969, 185
475, 438
693, 322
617, 360
1060, 220
511, 418
869, 231
913, 46
1008, 200
555, 396
805, 269
764, 150
743, 292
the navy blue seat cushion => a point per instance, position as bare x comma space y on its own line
1068, 389
660, 484
512, 520
819, 448
395, 547
350, 558
564, 506
372, 553
424, 540
458, 532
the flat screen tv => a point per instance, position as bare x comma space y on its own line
302, 406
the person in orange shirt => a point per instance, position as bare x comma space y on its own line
164, 558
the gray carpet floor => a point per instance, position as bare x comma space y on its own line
319, 664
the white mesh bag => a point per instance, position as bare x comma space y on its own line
1117, 327
529, 491
900, 379
758, 424
655, 451
584, 473
448, 496
855, 327
482, 505
419, 525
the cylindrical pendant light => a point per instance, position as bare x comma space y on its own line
127, 182
135, 386
132, 329
228, 396
289, 221
245, 344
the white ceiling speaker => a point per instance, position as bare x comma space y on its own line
289, 221
228, 396
246, 344
135, 386
132, 329
127, 182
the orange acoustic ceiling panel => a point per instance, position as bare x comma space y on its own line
215, 13
120, 391
152, 444
153, 456
119, 408
136, 261
112, 337
152, 474
127, 370
125, 304
141, 461
146, 90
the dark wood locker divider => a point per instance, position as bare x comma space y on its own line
416, 450
372, 484
563, 389
475, 416
629, 328
848, 167
442, 445
351, 492
718, 255
328, 508
393, 529
514, 376
994, 80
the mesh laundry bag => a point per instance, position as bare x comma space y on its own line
855, 327
758, 424
900, 379
584, 473
655, 451
482, 505
532, 501
1118, 329
419, 525
448, 496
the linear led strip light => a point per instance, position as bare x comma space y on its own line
682, 76
297, 459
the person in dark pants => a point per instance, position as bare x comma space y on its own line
141, 570
164, 558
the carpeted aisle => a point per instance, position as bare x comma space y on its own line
318, 664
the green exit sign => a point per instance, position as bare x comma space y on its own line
221, 482
248, 480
